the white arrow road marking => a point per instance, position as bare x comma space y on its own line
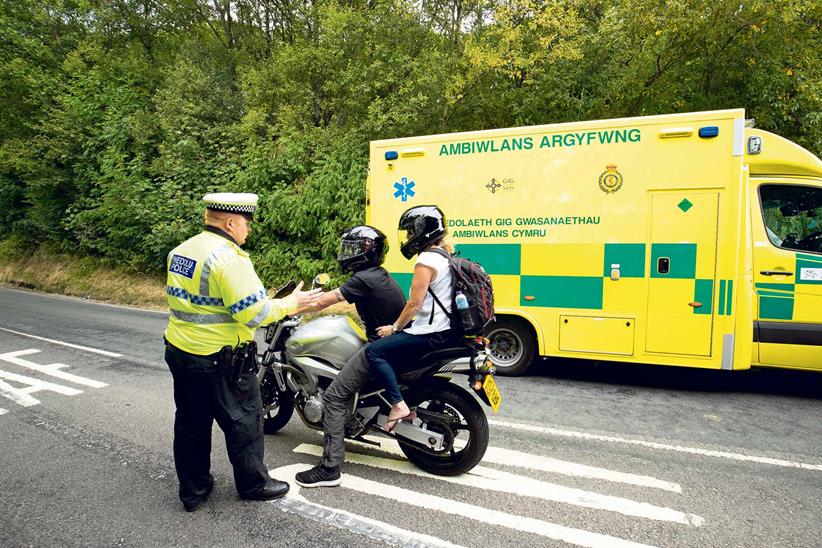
481, 477
477, 513
295, 503
70, 345
654, 445
3, 411
52, 369
21, 396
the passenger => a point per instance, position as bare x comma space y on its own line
422, 232
379, 300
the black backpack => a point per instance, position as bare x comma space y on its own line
471, 280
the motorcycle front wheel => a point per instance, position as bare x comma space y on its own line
462, 423
277, 406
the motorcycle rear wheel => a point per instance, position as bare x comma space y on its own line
465, 410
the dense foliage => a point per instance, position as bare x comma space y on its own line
116, 116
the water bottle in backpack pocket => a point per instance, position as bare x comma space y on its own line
472, 295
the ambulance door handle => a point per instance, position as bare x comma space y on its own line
775, 273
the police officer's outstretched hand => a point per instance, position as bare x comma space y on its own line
306, 300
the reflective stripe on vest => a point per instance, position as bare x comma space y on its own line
201, 318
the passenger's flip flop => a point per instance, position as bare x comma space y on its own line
409, 417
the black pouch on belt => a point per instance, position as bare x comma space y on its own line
238, 363
225, 357
251, 363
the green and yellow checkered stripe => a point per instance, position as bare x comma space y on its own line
577, 275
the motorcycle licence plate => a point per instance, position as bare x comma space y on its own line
489, 385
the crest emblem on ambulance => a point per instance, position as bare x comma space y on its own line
611, 180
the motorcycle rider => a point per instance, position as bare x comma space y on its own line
379, 300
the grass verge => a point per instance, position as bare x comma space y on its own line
87, 278
81, 277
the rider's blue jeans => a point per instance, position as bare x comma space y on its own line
399, 352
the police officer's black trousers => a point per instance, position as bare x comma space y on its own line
203, 393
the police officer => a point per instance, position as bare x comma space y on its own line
379, 300
217, 301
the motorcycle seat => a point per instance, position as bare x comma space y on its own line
445, 355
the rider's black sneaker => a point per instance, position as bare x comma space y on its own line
319, 476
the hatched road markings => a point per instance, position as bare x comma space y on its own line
22, 396
488, 516
489, 479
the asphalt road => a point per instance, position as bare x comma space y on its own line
581, 454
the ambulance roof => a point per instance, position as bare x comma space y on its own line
780, 156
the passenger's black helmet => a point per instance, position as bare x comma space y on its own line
361, 247
419, 227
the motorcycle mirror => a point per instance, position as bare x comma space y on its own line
322, 279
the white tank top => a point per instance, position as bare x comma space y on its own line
441, 286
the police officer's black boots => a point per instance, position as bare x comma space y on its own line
273, 489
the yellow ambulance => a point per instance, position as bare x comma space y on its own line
686, 239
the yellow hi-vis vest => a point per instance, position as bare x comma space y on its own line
216, 298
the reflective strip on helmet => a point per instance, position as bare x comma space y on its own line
202, 318
262, 315
245, 302
207, 267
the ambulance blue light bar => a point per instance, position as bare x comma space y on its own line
391, 155
708, 132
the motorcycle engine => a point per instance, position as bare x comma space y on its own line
313, 409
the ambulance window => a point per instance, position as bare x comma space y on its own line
793, 216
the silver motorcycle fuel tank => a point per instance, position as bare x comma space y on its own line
330, 338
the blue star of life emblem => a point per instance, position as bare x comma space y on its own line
404, 189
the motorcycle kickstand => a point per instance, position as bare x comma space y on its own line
366, 441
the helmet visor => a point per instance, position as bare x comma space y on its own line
404, 235
350, 249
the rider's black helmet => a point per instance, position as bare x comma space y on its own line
362, 247
419, 227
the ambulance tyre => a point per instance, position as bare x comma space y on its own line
512, 345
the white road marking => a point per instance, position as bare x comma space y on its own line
70, 345
509, 457
497, 455
654, 445
478, 513
52, 369
295, 503
3, 411
21, 396
503, 482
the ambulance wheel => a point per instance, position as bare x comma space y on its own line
512, 346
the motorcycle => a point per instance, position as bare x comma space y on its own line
449, 435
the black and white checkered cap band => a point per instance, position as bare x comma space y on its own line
231, 208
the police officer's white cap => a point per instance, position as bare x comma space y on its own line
244, 203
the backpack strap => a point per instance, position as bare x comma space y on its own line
431, 319
442, 253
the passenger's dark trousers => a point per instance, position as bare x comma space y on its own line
203, 393
336, 403
398, 353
